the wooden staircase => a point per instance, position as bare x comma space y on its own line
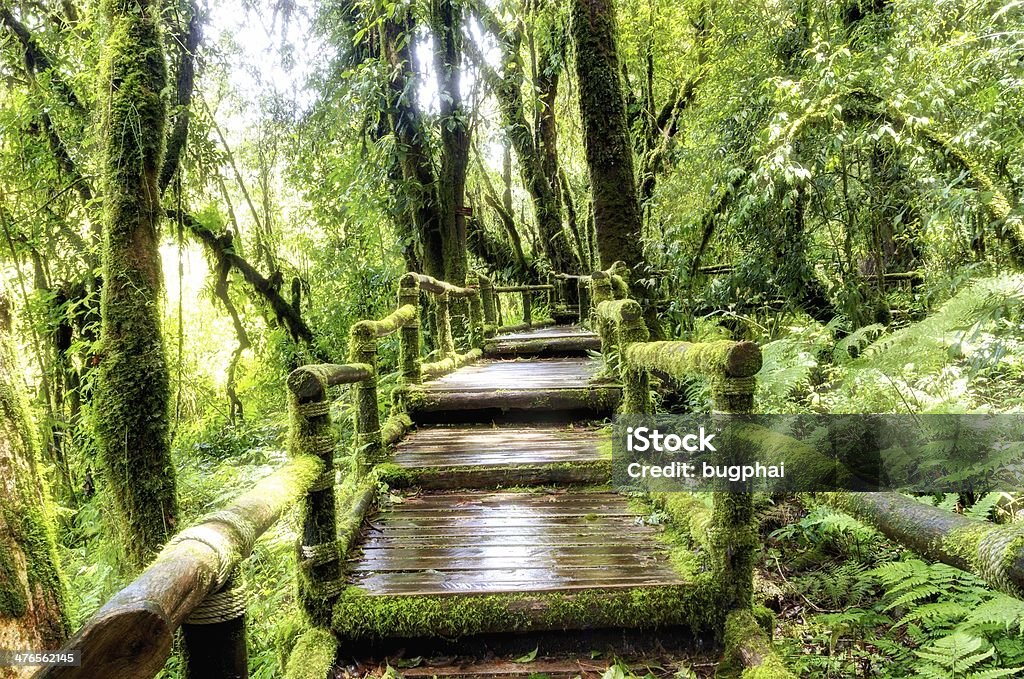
507, 525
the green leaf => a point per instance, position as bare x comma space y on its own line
529, 657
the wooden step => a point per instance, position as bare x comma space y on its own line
487, 456
543, 385
558, 340
457, 564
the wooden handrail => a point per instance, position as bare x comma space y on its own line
307, 381
436, 287
131, 636
524, 288
730, 368
391, 323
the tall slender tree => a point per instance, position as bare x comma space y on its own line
132, 386
31, 591
618, 220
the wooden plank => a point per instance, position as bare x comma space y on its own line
518, 375
503, 581
473, 542
596, 400
497, 549
379, 542
549, 331
551, 531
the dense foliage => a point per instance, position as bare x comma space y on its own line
837, 181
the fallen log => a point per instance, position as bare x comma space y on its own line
991, 551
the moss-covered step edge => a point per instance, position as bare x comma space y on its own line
361, 616
499, 347
588, 472
597, 398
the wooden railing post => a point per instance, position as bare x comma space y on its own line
409, 338
528, 308
445, 341
214, 643
487, 299
311, 433
363, 350
476, 319
636, 390
733, 530
601, 291
583, 294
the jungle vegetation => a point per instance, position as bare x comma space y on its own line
198, 197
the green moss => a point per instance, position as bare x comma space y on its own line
742, 629
962, 543
13, 599
765, 618
395, 476
133, 382
771, 667
358, 615
25, 513
313, 655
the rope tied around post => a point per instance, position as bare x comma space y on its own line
224, 605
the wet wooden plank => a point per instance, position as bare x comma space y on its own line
478, 542
518, 375
547, 332
389, 584
498, 446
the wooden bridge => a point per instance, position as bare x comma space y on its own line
482, 501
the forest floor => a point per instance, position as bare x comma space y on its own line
611, 654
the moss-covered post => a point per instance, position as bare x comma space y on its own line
32, 612
601, 291
445, 341
363, 350
133, 381
476, 320
311, 433
214, 636
733, 532
583, 294
636, 389
487, 299
528, 308
409, 337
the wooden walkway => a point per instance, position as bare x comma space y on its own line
508, 526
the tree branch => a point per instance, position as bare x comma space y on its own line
220, 245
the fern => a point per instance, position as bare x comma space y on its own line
953, 655
983, 302
982, 509
1000, 612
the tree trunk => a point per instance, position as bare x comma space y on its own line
31, 590
446, 26
605, 133
616, 208
132, 386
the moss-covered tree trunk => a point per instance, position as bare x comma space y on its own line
446, 26
616, 208
132, 385
605, 133
537, 148
31, 591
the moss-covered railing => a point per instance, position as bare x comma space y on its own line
312, 431
192, 585
493, 308
729, 533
